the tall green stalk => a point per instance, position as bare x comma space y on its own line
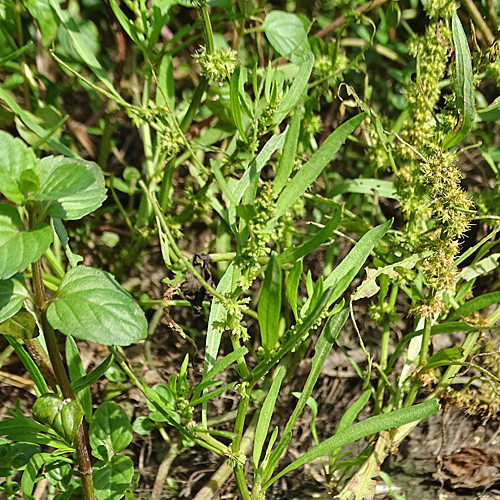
61, 377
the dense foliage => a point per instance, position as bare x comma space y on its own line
303, 173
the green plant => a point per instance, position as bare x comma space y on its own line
87, 303
256, 154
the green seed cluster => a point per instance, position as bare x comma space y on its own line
260, 235
325, 68
233, 318
451, 211
443, 9
423, 94
266, 118
171, 141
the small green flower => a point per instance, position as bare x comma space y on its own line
171, 141
218, 66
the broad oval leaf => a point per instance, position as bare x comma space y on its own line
12, 294
19, 248
20, 326
64, 180
91, 305
113, 478
109, 428
15, 158
79, 203
287, 35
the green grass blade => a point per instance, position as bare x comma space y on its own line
55, 144
76, 371
295, 91
212, 394
292, 286
15, 54
30, 365
93, 376
476, 304
276, 142
349, 416
217, 312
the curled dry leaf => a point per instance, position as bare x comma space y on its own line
472, 468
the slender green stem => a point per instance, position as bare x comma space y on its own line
61, 375
203, 84
194, 104
426, 340
479, 21
242, 364
207, 26
105, 145
240, 418
173, 244
166, 183
146, 129
84, 464
384, 351
424, 349
240, 481
22, 57
120, 206
113, 96
236, 444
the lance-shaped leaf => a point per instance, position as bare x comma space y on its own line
74, 204
342, 276
270, 305
362, 429
19, 248
265, 416
313, 168
91, 305
464, 90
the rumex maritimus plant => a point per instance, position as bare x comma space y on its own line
259, 152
